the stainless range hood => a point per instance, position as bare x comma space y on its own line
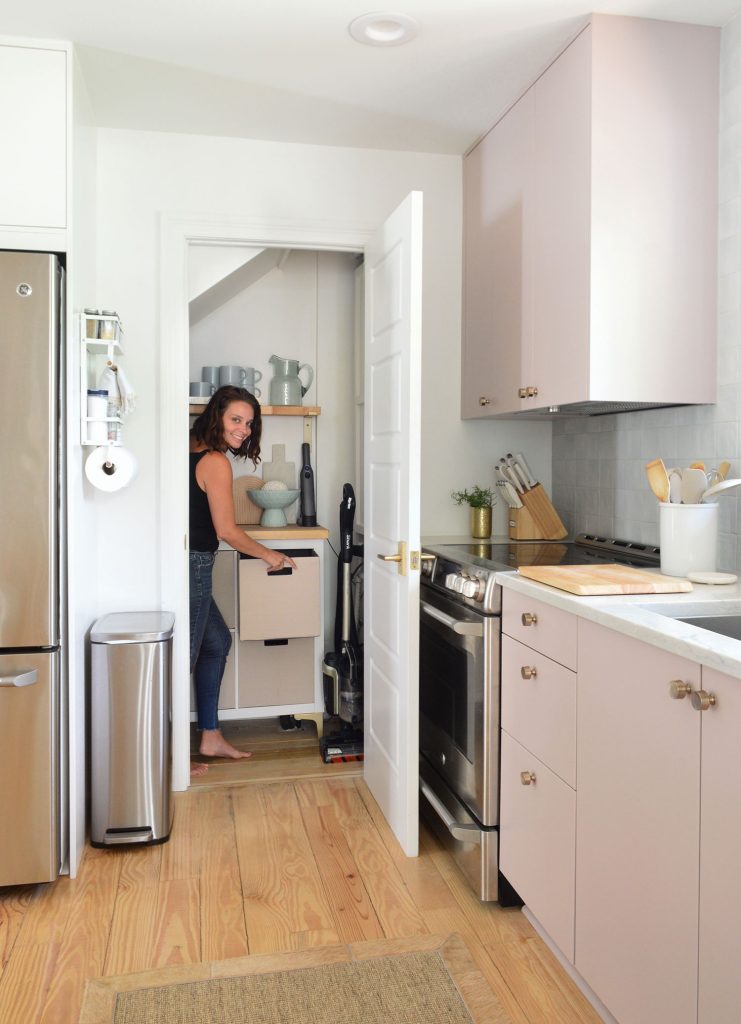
595, 409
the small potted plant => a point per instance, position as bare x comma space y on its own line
480, 500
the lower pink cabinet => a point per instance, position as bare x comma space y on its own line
536, 824
637, 828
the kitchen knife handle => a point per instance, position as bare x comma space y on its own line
522, 461
518, 471
511, 476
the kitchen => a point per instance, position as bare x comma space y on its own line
136, 180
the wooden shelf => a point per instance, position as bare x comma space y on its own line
197, 406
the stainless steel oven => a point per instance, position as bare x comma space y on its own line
459, 687
459, 715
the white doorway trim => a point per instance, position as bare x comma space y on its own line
177, 233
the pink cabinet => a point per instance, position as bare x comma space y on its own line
720, 853
638, 828
590, 236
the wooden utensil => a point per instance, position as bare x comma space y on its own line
658, 479
697, 465
723, 469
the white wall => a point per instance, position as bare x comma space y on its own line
144, 175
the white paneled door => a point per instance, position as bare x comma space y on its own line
392, 428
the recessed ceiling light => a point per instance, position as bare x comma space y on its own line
382, 29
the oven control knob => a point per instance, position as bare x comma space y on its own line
450, 581
458, 583
473, 587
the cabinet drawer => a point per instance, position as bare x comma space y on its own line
540, 626
277, 605
537, 827
275, 674
540, 711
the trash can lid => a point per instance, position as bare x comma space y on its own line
132, 627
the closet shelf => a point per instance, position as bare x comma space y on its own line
197, 405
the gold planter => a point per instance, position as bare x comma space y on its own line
481, 522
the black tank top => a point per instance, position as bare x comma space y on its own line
202, 533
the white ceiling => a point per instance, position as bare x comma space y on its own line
289, 70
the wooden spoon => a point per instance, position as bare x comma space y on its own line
658, 479
723, 469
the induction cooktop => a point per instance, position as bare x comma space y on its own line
585, 549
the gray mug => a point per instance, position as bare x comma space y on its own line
210, 374
234, 375
251, 377
201, 389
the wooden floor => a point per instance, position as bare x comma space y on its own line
283, 859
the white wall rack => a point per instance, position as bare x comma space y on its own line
91, 344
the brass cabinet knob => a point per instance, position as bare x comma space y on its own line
528, 778
532, 393
529, 619
678, 689
483, 400
702, 700
529, 672
522, 393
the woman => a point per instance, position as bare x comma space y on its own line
230, 422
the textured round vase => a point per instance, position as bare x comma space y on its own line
481, 522
273, 503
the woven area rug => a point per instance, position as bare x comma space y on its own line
429, 980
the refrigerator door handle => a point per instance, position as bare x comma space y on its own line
20, 678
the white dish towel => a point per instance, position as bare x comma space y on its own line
120, 393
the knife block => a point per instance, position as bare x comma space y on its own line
537, 519
522, 526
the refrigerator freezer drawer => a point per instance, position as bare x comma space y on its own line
29, 768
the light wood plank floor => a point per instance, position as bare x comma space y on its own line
289, 858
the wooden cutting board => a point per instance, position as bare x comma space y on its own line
594, 580
246, 512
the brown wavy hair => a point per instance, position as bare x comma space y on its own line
208, 428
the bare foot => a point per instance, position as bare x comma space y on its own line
213, 744
196, 768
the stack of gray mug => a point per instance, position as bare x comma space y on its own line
213, 377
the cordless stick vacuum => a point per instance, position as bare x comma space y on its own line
343, 667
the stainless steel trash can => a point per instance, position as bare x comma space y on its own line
130, 728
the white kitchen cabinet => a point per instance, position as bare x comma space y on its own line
720, 853
590, 228
638, 828
33, 127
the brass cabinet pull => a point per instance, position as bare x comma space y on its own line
702, 700
532, 392
678, 689
529, 619
528, 778
529, 672
483, 400
522, 393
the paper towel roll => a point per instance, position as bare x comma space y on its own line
110, 468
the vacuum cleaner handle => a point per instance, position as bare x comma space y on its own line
347, 518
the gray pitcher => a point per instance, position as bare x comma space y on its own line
286, 387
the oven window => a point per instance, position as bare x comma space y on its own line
446, 685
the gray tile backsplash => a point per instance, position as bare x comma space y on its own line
599, 480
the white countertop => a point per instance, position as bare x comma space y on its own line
647, 617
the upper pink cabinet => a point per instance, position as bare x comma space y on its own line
590, 228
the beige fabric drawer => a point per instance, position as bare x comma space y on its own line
276, 674
283, 604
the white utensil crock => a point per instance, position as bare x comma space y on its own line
688, 538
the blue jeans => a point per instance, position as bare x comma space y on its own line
210, 640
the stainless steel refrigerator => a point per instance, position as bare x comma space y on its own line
31, 296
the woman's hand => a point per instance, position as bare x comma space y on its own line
277, 560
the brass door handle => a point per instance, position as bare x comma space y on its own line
702, 700
678, 689
389, 558
400, 558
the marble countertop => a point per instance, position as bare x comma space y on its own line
651, 617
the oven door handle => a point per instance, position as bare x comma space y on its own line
457, 625
463, 833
